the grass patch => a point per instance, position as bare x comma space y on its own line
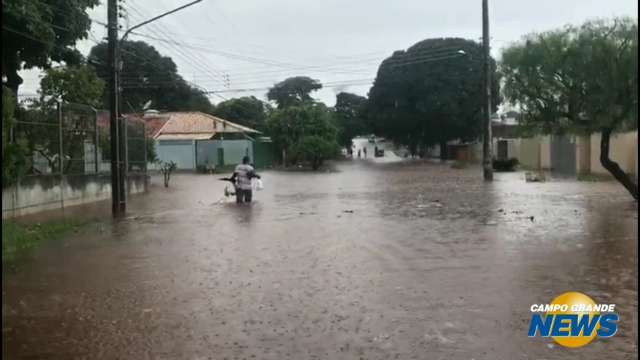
18, 240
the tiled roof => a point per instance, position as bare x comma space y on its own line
180, 125
187, 136
198, 124
152, 126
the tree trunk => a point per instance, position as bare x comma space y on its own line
9, 69
13, 82
613, 166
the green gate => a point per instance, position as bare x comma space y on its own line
264, 153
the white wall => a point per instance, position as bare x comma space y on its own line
182, 152
623, 149
48, 192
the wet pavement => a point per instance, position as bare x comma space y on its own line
375, 261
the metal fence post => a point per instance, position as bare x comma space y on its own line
126, 146
60, 154
144, 144
97, 140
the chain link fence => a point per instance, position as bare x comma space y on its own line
66, 151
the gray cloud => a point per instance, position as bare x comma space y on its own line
260, 42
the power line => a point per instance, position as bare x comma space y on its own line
196, 62
285, 66
133, 78
326, 85
438, 55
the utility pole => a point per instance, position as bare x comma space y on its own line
487, 140
117, 124
123, 154
117, 207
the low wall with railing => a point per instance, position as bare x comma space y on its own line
66, 157
49, 192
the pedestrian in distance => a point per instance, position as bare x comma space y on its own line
358, 153
364, 150
242, 179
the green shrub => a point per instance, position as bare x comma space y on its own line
505, 165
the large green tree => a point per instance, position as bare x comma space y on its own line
304, 133
293, 91
431, 93
76, 84
578, 79
35, 33
149, 76
79, 89
248, 111
13, 152
349, 115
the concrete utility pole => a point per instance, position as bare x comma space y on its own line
117, 205
487, 155
117, 125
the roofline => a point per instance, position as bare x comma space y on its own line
162, 127
242, 128
215, 118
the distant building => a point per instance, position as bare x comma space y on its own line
505, 134
564, 155
197, 140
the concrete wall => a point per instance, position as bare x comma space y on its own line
529, 154
535, 153
623, 149
583, 155
514, 148
545, 152
48, 192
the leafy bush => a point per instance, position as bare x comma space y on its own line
315, 150
505, 165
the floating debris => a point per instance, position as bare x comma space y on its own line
534, 177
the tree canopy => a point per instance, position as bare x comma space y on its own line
305, 132
293, 91
13, 159
431, 93
148, 76
248, 111
349, 115
578, 79
35, 33
76, 84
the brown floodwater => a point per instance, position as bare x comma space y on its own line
398, 260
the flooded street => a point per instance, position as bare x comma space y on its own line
398, 260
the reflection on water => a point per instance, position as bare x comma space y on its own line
393, 260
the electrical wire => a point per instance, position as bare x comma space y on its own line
194, 61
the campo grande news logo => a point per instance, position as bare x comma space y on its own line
573, 320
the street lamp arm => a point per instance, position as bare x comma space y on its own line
156, 18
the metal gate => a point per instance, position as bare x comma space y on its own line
563, 155
180, 152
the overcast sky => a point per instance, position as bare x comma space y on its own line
234, 45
